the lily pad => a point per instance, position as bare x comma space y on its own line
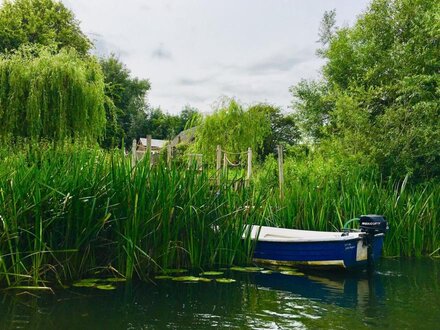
114, 279
204, 279
89, 280
186, 279
211, 273
106, 287
247, 269
291, 273
284, 268
175, 271
163, 277
86, 283
225, 280
266, 271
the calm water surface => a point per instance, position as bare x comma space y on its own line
399, 294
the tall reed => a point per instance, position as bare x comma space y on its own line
68, 210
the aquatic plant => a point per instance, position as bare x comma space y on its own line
69, 210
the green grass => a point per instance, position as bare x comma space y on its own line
72, 211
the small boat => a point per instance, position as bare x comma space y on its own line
304, 248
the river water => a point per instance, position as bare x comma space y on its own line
398, 294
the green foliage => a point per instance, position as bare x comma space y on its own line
324, 190
51, 96
233, 128
125, 102
66, 210
381, 88
43, 22
283, 129
70, 209
312, 106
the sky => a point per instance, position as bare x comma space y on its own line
196, 51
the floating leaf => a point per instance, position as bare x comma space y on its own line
84, 284
291, 273
266, 271
89, 280
106, 287
186, 279
204, 279
115, 279
175, 271
247, 269
163, 277
225, 280
285, 268
212, 273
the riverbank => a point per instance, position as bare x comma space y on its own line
69, 211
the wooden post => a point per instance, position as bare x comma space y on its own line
249, 166
148, 151
169, 154
225, 162
281, 170
200, 162
219, 163
133, 153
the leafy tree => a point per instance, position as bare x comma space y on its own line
283, 128
381, 88
43, 22
125, 102
189, 117
312, 104
327, 30
51, 95
232, 127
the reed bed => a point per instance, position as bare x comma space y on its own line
69, 211
322, 195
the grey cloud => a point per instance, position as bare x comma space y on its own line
276, 63
194, 82
161, 53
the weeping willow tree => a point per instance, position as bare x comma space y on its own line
232, 127
48, 95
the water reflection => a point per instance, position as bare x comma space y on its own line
399, 294
342, 289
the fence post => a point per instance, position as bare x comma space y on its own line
281, 170
200, 162
249, 166
169, 154
225, 162
133, 153
148, 151
219, 163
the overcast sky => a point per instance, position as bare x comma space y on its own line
194, 51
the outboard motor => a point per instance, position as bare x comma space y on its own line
371, 225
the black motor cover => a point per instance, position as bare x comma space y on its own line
373, 224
